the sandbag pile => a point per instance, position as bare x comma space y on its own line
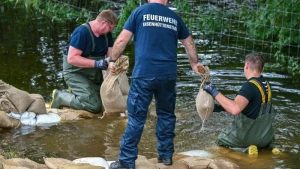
18, 101
114, 89
16, 104
99, 163
204, 101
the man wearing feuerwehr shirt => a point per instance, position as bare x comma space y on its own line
156, 30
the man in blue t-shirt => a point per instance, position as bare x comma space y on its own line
90, 44
156, 31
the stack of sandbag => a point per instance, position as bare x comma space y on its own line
19, 107
18, 101
203, 163
204, 101
114, 89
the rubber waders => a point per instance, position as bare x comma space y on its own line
60, 98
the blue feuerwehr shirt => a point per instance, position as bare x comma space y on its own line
81, 39
156, 31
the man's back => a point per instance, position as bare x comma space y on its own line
157, 30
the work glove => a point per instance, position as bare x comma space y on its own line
211, 89
101, 64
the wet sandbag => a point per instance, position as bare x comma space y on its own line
8, 122
19, 98
220, 164
71, 114
19, 163
53, 163
175, 165
28, 118
6, 105
114, 89
197, 162
38, 105
204, 101
95, 161
3, 87
79, 166
46, 119
143, 163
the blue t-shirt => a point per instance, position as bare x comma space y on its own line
81, 39
156, 30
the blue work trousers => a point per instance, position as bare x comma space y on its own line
139, 98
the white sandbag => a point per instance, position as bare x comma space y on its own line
50, 118
14, 115
95, 161
28, 118
204, 101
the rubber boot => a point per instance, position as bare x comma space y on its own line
60, 98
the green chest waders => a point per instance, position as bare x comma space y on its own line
85, 83
244, 131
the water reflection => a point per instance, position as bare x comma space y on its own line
32, 61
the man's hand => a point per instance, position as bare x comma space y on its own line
101, 64
211, 89
196, 67
112, 68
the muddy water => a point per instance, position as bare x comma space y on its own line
30, 54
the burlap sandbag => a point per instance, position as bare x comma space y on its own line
6, 105
20, 163
38, 106
53, 163
19, 98
143, 163
70, 114
79, 166
3, 87
204, 101
8, 122
220, 164
197, 162
114, 89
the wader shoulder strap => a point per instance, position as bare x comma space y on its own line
92, 36
260, 87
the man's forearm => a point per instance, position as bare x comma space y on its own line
120, 44
190, 49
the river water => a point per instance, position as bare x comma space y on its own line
31, 50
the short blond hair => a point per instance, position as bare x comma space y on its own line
108, 16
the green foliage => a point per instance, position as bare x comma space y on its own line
61, 10
182, 6
125, 13
277, 21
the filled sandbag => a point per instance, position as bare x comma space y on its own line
38, 106
220, 164
204, 101
53, 163
143, 163
79, 166
3, 87
197, 162
95, 161
45, 119
71, 114
19, 163
20, 99
8, 122
28, 118
6, 105
114, 89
